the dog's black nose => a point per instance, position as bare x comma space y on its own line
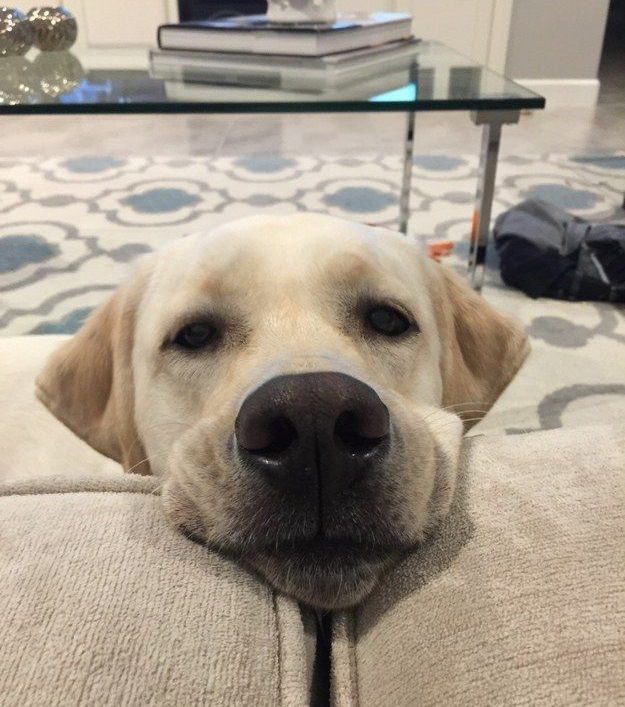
313, 429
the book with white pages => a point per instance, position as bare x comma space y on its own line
255, 34
275, 71
206, 93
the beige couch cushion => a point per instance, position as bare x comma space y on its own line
104, 604
519, 600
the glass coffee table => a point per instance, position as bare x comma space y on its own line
436, 79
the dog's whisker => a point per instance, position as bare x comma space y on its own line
431, 417
459, 409
148, 459
467, 402
458, 413
443, 423
134, 466
444, 420
340, 585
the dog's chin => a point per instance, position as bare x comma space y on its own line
320, 572
324, 575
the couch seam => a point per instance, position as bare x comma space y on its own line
279, 644
350, 637
354, 655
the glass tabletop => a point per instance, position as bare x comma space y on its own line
435, 78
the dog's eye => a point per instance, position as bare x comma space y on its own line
196, 336
387, 320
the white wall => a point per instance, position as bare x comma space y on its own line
551, 41
556, 39
554, 48
115, 33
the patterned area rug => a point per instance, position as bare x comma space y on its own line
70, 230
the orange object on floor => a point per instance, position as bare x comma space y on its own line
436, 251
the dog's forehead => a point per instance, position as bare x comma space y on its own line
271, 249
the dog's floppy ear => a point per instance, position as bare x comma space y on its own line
481, 348
88, 382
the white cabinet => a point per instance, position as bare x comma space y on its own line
121, 23
115, 33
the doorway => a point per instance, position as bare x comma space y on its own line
189, 10
612, 65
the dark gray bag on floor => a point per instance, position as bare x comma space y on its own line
546, 252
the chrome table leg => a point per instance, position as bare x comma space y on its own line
480, 226
404, 199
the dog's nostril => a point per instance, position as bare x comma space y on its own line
313, 434
279, 436
283, 435
353, 433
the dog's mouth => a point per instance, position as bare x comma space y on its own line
322, 548
327, 573
327, 558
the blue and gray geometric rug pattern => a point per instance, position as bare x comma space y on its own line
71, 228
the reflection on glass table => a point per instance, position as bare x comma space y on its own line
428, 77
47, 78
431, 77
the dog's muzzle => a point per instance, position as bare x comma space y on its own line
313, 434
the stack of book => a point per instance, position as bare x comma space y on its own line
351, 55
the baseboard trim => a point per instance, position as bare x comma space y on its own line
564, 92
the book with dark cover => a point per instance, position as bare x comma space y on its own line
255, 34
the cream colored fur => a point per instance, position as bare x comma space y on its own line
287, 291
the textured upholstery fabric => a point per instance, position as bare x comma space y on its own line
104, 604
521, 597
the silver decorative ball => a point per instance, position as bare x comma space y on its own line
54, 28
16, 35
57, 73
17, 82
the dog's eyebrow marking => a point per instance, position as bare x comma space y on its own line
216, 285
225, 281
354, 274
349, 268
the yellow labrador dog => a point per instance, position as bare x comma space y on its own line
298, 383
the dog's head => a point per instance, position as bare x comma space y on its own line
298, 383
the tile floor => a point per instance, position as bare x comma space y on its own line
563, 130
